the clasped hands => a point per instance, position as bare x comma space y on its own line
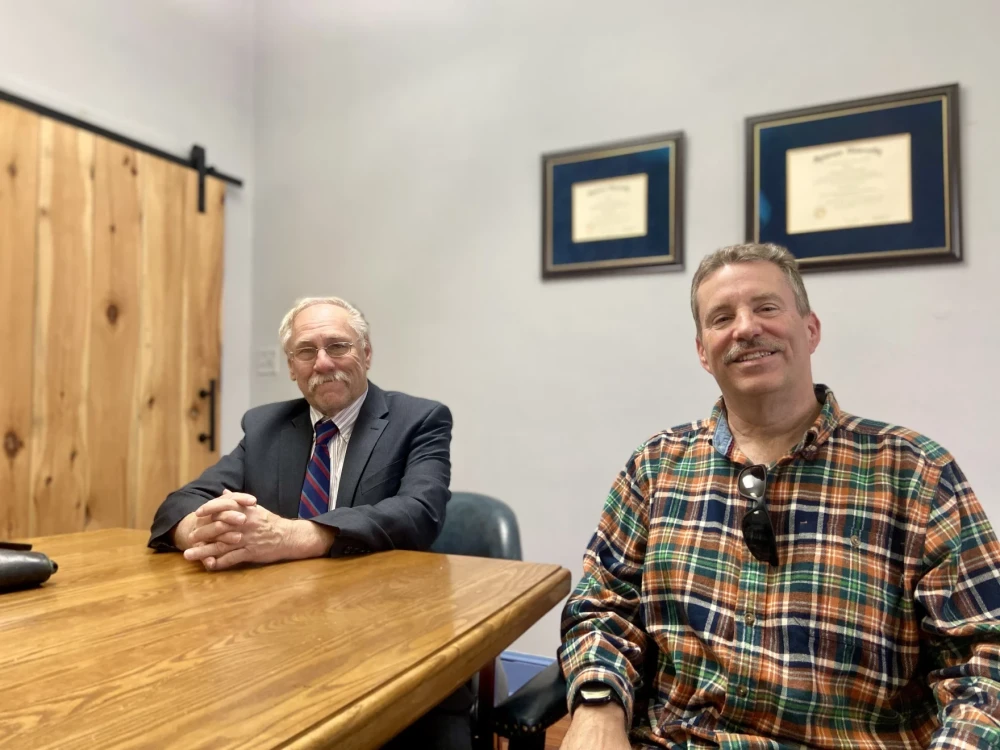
233, 529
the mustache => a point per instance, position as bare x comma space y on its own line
316, 380
740, 348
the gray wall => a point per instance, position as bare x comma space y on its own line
169, 73
397, 159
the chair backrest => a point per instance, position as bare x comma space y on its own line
479, 526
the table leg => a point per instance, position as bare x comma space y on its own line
484, 710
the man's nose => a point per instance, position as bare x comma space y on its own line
746, 326
324, 362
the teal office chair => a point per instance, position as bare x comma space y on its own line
479, 526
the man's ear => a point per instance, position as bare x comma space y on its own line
702, 355
814, 330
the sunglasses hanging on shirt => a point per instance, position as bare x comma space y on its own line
758, 532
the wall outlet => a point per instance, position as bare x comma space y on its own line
266, 361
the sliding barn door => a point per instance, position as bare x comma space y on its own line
109, 322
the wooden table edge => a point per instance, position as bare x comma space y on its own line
353, 728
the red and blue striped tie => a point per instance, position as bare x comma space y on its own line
315, 498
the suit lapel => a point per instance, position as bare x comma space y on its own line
367, 430
294, 451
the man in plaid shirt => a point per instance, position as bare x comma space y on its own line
783, 574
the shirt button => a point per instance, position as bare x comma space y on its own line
742, 691
749, 619
855, 541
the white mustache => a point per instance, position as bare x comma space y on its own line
315, 381
761, 342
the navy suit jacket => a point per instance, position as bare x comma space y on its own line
393, 487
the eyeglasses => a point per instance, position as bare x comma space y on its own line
758, 533
333, 350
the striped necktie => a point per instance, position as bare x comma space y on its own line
315, 498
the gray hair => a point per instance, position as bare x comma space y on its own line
748, 253
357, 320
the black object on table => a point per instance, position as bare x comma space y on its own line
21, 568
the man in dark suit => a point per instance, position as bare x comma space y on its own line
349, 469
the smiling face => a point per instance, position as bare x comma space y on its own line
328, 383
752, 338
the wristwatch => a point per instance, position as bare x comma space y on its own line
594, 693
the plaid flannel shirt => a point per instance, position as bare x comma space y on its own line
880, 628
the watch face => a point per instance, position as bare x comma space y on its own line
595, 693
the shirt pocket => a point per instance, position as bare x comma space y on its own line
844, 672
844, 629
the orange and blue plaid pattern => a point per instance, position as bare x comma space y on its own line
880, 628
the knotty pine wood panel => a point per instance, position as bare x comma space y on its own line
60, 452
18, 220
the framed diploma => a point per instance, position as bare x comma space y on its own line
861, 183
613, 207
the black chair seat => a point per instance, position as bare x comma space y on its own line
536, 706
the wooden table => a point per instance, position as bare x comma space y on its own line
124, 647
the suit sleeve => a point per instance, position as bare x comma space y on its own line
413, 517
226, 474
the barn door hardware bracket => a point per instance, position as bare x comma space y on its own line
198, 163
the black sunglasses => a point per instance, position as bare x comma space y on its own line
758, 533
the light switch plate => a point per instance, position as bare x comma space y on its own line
266, 361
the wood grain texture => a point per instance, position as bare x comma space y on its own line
18, 219
202, 315
124, 648
114, 336
160, 414
60, 457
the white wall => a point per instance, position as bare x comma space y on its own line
397, 160
169, 73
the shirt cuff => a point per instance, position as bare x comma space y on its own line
621, 686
